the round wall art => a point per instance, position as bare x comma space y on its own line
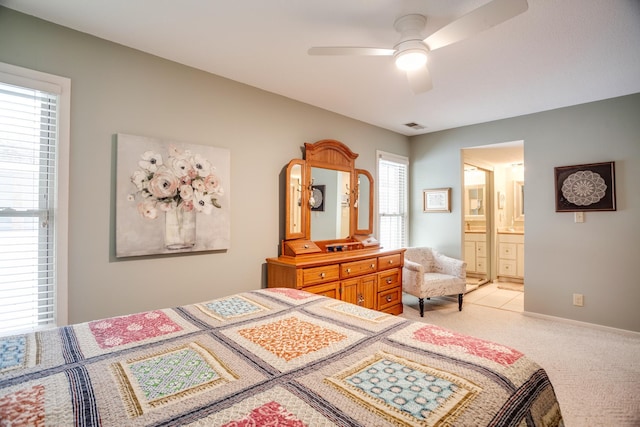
585, 187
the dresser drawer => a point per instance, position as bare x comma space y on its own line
327, 273
357, 268
389, 298
388, 279
331, 290
389, 261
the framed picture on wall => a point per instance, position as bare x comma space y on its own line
437, 200
588, 187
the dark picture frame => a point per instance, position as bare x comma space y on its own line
588, 187
317, 191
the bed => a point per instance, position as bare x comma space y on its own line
268, 357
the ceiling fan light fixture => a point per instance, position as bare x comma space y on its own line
411, 59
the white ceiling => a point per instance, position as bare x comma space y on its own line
558, 53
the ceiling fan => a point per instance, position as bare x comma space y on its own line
411, 51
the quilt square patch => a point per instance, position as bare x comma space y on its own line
159, 379
124, 330
23, 407
13, 352
273, 407
291, 337
486, 349
291, 340
19, 351
294, 294
231, 307
407, 392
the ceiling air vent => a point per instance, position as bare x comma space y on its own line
415, 126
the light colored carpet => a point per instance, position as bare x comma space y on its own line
595, 373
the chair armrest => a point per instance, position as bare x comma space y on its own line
414, 266
412, 274
447, 265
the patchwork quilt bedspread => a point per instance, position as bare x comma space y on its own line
277, 357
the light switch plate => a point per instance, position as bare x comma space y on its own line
578, 217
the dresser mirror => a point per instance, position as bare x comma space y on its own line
328, 200
331, 207
295, 199
364, 202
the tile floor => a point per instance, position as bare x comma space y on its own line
488, 295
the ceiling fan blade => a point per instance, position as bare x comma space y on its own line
480, 19
362, 51
420, 79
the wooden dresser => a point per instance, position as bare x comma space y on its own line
371, 278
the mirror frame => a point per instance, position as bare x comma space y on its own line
303, 200
334, 155
368, 230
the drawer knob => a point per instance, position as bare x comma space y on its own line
306, 246
390, 261
348, 270
373, 266
389, 281
322, 275
389, 298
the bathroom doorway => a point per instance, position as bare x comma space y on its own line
493, 220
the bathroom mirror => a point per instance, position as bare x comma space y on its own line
518, 200
474, 193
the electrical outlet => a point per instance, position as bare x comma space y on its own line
578, 300
578, 217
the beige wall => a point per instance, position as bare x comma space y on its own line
598, 258
120, 90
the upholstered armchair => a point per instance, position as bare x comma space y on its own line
427, 273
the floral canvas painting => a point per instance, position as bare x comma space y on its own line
171, 197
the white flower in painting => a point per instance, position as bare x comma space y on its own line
147, 209
164, 184
198, 185
201, 165
212, 185
134, 327
180, 166
140, 179
186, 192
202, 202
150, 161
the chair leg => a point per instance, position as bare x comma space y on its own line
460, 296
421, 301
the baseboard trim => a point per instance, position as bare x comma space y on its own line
584, 324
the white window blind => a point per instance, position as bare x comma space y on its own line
392, 200
29, 130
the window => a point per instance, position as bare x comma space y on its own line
34, 154
392, 200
